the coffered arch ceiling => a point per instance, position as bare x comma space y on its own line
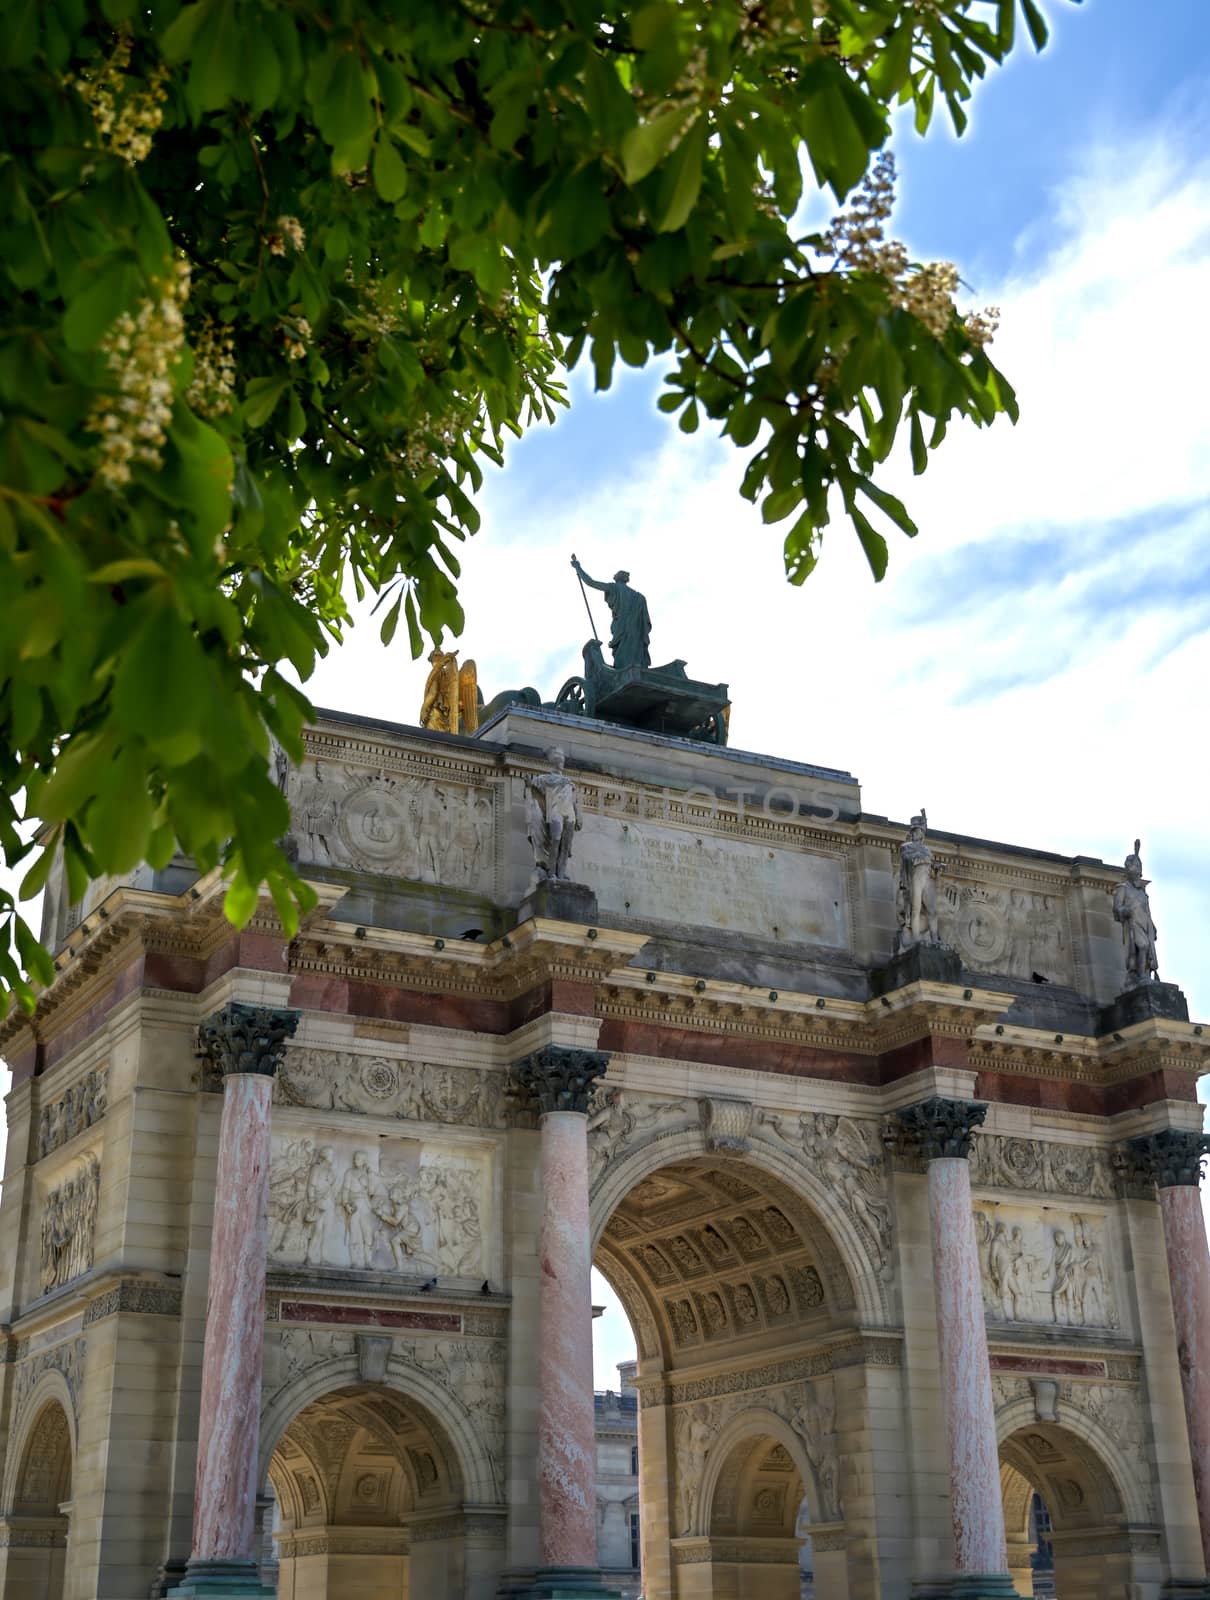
759, 1491
708, 1255
362, 1457
1075, 1483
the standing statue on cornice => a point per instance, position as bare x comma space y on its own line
631, 621
916, 898
552, 809
1132, 909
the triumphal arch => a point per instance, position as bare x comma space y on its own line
885, 1135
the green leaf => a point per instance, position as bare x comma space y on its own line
644, 147
893, 507
119, 819
161, 689
216, 52
177, 40
681, 180
390, 173
92, 312
34, 880
1036, 23
872, 543
260, 399
391, 621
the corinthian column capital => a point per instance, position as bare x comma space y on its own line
559, 1077
245, 1038
937, 1127
1171, 1158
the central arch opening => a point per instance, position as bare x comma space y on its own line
41, 1507
723, 1269
365, 1483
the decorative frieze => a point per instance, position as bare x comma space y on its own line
80, 1107
246, 1038
1042, 1166
69, 1220
559, 1077
381, 1086
140, 1299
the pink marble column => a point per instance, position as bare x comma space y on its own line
1173, 1160
560, 1080
970, 1414
566, 1425
245, 1044
942, 1131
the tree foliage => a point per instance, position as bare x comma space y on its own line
278, 278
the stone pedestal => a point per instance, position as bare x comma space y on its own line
1142, 1002
1173, 1159
942, 1130
559, 1080
245, 1044
560, 901
919, 963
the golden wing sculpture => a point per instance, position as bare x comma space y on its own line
468, 697
451, 695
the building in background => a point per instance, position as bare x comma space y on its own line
617, 1434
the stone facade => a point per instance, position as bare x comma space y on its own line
906, 1237
616, 1414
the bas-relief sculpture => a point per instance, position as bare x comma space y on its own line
69, 1220
339, 1080
1050, 1269
399, 1205
377, 822
1042, 1165
619, 1119
81, 1107
552, 819
997, 928
852, 1164
1132, 908
809, 1408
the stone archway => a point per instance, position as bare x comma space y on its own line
370, 1494
37, 1514
751, 1372
1090, 1535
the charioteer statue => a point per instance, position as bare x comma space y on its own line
631, 631
631, 693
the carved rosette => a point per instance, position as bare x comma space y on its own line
244, 1038
559, 1077
939, 1128
1169, 1159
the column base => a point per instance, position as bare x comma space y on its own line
967, 1586
556, 1583
1186, 1589
221, 1580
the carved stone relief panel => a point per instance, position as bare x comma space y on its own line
848, 1154
69, 1222
808, 1407
66, 1358
1048, 1266
410, 827
619, 1120
80, 1107
381, 1086
402, 1204
997, 928
1042, 1165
